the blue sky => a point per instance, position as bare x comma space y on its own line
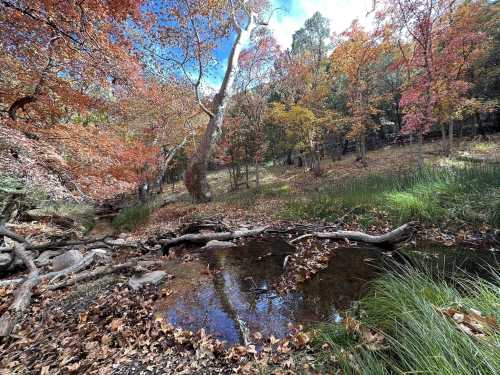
291, 16
339, 12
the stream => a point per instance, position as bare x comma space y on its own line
228, 291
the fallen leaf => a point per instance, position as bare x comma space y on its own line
116, 325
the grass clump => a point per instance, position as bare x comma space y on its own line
405, 306
432, 195
131, 217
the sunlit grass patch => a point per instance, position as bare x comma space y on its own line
432, 195
485, 146
247, 197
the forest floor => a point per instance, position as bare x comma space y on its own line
104, 327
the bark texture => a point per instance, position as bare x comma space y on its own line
203, 238
196, 173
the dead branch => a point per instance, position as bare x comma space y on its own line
85, 262
205, 237
100, 241
10, 234
22, 297
396, 236
103, 271
11, 282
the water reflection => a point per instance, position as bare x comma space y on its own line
235, 297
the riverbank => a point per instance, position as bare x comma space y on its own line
101, 325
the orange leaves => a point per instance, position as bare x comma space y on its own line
99, 159
65, 64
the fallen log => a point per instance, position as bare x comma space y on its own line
398, 235
205, 237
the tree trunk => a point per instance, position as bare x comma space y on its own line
196, 173
247, 174
460, 133
167, 157
444, 141
450, 135
300, 162
477, 123
363, 150
257, 175
21, 102
316, 164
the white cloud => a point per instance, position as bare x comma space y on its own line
340, 13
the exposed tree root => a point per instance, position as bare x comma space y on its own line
205, 237
103, 271
22, 297
398, 235
74, 274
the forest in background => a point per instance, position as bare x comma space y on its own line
180, 193
124, 83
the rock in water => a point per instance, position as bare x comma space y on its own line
152, 278
215, 244
66, 260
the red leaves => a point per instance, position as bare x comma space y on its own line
445, 41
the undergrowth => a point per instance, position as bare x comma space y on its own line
130, 217
405, 307
432, 195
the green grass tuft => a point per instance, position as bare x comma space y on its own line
247, 197
405, 306
131, 217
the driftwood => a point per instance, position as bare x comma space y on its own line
205, 237
398, 235
103, 271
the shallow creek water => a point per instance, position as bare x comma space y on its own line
228, 291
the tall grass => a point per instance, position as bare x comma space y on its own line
405, 306
432, 195
131, 217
